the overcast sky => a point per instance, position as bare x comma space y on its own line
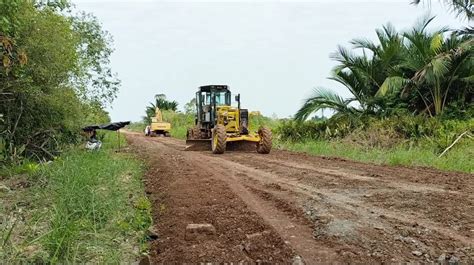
273, 53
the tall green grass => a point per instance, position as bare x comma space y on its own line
459, 158
180, 122
96, 210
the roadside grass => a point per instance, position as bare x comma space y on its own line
85, 207
459, 158
138, 126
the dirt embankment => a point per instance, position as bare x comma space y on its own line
279, 207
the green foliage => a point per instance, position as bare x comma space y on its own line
94, 207
257, 120
180, 122
412, 96
54, 77
417, 71
459, 7
324, 99
160, 102
190, 107
337, 127
458, 159
138, 126
369, 132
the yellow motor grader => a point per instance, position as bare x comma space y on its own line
220, 126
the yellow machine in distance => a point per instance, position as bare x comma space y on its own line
219, 125
158, 126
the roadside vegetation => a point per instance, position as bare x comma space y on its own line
83, 207
412, 101
407, 141
54, 77
60, 203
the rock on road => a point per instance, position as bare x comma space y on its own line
289, 207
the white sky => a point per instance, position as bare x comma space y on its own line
273, 53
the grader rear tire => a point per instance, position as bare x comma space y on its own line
219, 138
265, 144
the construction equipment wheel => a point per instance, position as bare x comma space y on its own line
265, 144
219, 138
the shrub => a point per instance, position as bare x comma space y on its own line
369, 132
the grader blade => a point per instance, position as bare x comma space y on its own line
241, 146
198, 145
205, 145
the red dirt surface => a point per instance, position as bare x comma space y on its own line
287, 207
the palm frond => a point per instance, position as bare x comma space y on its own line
392, 84
364, 44
439, 66
459, 7
323, 98
436, 42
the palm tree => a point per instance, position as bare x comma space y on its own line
160, 102
363, 75
416, 71
325, 99
431, 66
460, 7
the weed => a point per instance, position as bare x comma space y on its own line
93, 209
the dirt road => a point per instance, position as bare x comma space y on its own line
290, 207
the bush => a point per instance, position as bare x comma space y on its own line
369, 132
180, 122
54, 78
336, 127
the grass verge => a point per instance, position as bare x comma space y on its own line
459, 158
85, 207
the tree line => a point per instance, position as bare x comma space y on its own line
54, 77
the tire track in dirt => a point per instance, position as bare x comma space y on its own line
202, 196
366, 189
341, 211
340, 173
343, 201
298, 235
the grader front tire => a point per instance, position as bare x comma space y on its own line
265, 144
219, 138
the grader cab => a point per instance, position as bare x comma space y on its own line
218, 124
